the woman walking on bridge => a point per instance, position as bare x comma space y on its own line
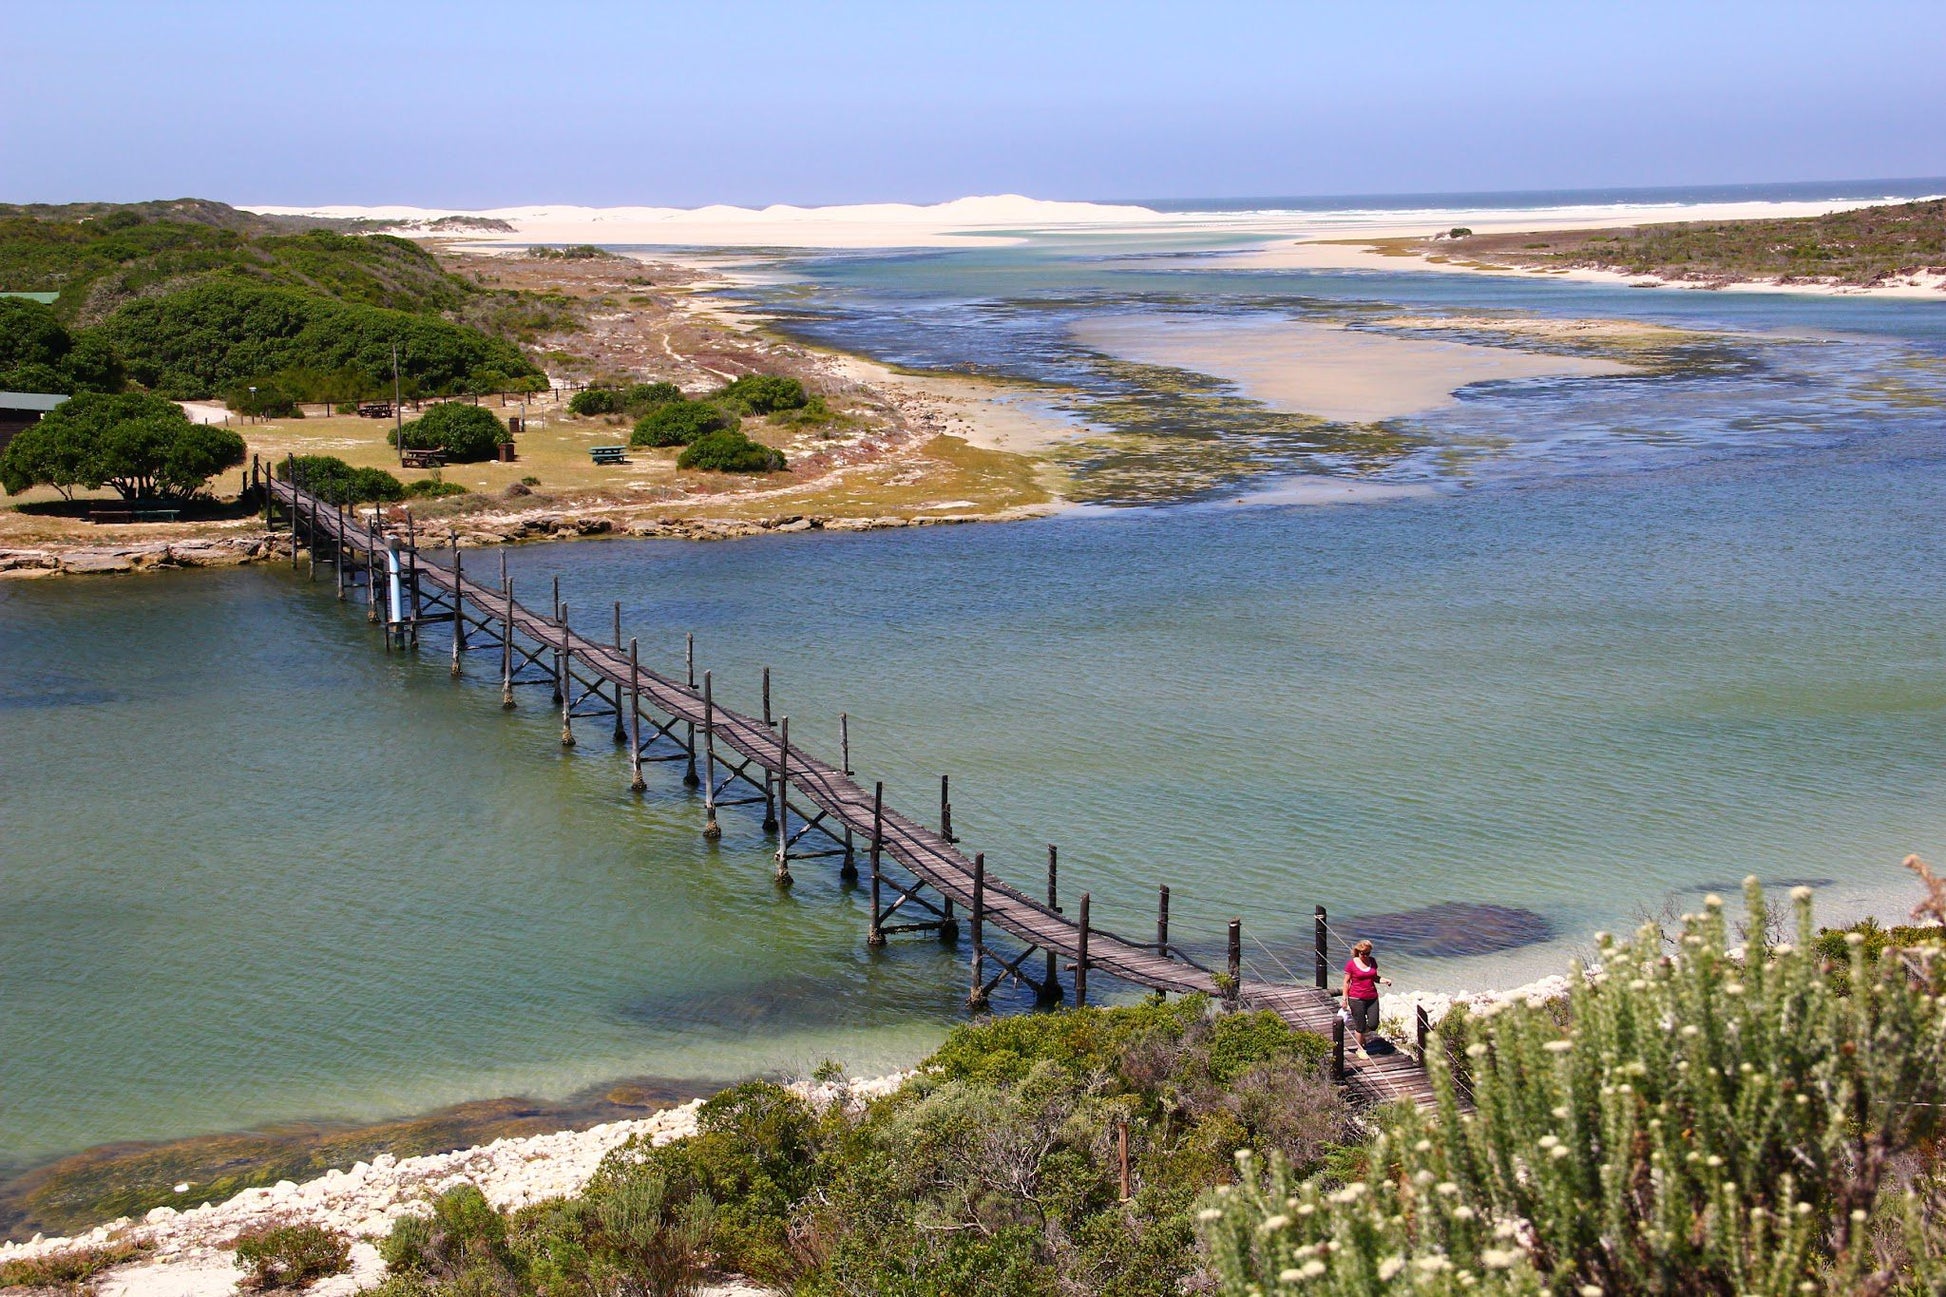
1361, 992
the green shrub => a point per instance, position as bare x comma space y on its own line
427, 488
1720, 1121
639, 399
763, 394
142, 445
467, 433
336, 482
291, 1256
68, 1271
595, 400
39, 354
729, 451
679, 423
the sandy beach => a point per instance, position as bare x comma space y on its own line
1325, 370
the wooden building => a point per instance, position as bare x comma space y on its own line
18, 409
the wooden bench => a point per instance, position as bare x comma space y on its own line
133, 515
608, 454
374, 409
423, 459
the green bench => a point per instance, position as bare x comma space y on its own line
608, 454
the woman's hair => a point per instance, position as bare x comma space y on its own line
1361, 948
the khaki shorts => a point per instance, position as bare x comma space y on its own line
1364, 1015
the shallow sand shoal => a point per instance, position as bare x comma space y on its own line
1324, 369
982, 412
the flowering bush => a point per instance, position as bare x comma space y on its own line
1718, 1120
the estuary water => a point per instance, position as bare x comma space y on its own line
1644, 637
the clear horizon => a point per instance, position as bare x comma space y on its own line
436, 105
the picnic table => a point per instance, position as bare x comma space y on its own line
608, 454
423, 459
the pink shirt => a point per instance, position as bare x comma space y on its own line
1361, 980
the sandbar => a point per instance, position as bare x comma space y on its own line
1326, 370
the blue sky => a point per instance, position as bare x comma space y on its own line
488, 104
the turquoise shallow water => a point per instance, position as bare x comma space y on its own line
253, 868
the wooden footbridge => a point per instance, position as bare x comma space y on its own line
920, 881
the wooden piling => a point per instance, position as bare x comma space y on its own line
948, 925
873, 937
1234, 965
976, 925
689, 779
564, 683
1162, 921
848, 870
770, 814
507, 640
1081, 955
1422, 1027
711, 830
1320, 928
784, 878
371, 567
459, 607
621, 730
1051, 982
412, 574
636, 783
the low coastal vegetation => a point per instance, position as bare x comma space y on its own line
1865, 246
708, 429
1745, 1110
291, 1256
196, 300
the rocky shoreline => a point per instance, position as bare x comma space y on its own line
262, 546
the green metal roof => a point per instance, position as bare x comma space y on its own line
45, 299
42, 401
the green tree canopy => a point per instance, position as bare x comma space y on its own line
763, 394
336, 482
222, 334
39, 354
142, 445
680, 422
729, 451
467, 433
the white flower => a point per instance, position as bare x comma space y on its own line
1854, 938
1549, 1141
1733, 988
1714, 902
1858, 1216
1560, 1113
1800, 893
1445, 1188
1272, 1224
1591, 1290
1476, 1050
1496, 1259
1783, 948
1691, 1031
1712, 1160
1558, 1152
1288, 1276
1350, 1193
1462, 1212
1432, 1264
1637, 984
1306, 1208
1803, 1209
1243, 1156
1310, 1270
1423, 1146
1390, 1266
1208, 1214
1558, 1046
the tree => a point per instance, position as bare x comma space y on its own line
763, 394
639, 399
38, 354
596, 400
729, 451
142, 445
467, 433
680, 422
